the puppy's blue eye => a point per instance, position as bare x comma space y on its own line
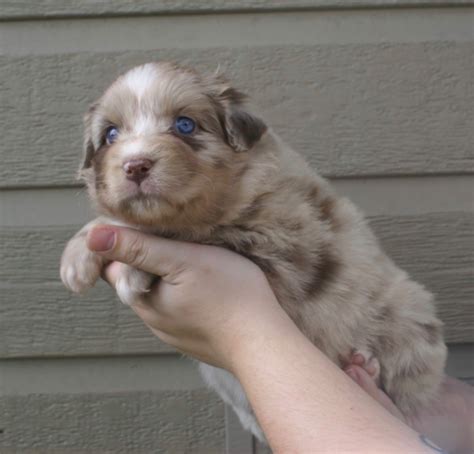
111, 135
185, 125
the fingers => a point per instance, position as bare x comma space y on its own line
111, 273
155, 255
368, 384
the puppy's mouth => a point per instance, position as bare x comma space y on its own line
142, 201
142, 188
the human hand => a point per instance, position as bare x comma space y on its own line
449, 422
208, 300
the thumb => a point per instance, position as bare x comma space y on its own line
150, 253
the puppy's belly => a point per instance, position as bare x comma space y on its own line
232, 393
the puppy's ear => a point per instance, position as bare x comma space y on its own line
88, 147
242, 129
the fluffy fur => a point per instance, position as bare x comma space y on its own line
233, 183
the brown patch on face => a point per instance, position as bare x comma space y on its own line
325, 271
244, 130
195, 143
120, 106
232, 95
240, 129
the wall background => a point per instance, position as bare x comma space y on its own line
377, 94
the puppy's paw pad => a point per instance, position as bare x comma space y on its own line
132, 285
367, 361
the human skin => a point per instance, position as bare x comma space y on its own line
218, 307
449, 421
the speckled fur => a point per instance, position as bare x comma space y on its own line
237, 185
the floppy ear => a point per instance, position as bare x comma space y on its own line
242, 129
88, 148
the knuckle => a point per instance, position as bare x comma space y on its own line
136, 251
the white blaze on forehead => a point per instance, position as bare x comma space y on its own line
134, 149
141, 79
143, 124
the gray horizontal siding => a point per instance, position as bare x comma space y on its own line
435, 248
93, 375
46, 320
21, 9
364, 88
373, 108
140, 422
461, 361
137, 404
108, 405
375, 197
235, 31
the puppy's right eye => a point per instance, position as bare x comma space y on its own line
111, 135
185, 125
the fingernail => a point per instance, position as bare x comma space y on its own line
101, 239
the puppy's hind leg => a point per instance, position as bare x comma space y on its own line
363, 358
412, 373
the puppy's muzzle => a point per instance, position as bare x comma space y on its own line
137, 170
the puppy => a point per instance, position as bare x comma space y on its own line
178, 154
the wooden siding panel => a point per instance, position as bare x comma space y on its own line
95, 404
361, 87
352, 110
142, 422
47, 320
21, 9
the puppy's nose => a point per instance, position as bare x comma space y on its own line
137, 169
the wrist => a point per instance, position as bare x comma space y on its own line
259, 333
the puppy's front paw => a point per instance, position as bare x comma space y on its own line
133, 284
80, 268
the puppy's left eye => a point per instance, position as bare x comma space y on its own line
185, 125
111, 135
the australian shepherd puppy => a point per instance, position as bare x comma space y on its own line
179, 154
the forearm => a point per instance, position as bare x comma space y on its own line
304, 402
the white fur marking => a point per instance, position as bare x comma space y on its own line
126, 294
144, 125
71, 277
140, 79
134, 149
